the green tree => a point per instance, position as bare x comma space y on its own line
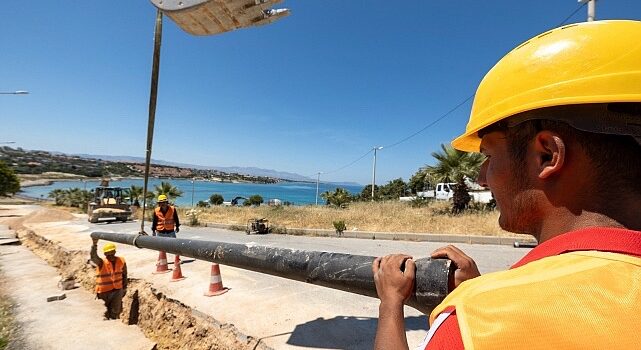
393, 189
216, 199
420, 181
135, 194
255, 199
9, 182
366, 193
73, 197
57, 195
461, 198
167, 189
202, 204
339, 198
452, 165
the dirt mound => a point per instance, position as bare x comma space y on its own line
41, 215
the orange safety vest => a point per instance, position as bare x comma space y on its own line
165, 221
576, 300
108, 279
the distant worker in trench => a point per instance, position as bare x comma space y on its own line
165, 223
111, 278
559, 120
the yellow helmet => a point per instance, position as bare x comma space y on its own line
162, 198
109, 247
592, 62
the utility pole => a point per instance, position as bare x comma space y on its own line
591, 9
375, 149
193, 179
317, 181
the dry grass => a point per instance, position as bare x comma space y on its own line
378, 217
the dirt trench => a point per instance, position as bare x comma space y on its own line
168, 322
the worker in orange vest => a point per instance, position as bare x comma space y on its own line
165, 223
559, 120
111, 278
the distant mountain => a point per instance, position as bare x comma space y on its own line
240, 170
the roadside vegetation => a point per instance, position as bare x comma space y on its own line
392, 216
9, 183
7, 322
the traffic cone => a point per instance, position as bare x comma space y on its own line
215, 282
161, 264
178, 274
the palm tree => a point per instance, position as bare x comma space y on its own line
135, 194
453, 165
338, 198
168, 190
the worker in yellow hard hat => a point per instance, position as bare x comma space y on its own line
111, 278
165, 222
559, 120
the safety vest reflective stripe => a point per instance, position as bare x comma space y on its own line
109, 283
166, 220
109, 278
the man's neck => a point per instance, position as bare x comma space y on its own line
562, 220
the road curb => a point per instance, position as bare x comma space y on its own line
393, 236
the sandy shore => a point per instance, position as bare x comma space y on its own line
40, 182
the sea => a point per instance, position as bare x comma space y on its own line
297, 193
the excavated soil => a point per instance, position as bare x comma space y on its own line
170, 323
41, 215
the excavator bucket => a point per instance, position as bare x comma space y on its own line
208, 17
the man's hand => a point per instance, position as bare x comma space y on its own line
177, 229
393, 285
465, 267
95, 240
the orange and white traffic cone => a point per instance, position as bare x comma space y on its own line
178, 274
161, 264
216, 282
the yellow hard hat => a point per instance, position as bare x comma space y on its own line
592, 62
162, 198
109, 247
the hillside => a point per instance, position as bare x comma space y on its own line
39, 162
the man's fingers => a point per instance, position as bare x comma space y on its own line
376, 265
410, 268
451, 252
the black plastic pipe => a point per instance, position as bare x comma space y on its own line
346, 272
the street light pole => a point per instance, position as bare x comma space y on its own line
375, 149
317, 181
591, 9
192, 191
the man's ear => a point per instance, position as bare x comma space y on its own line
550, 152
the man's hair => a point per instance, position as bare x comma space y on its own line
616, 159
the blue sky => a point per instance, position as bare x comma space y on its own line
312, 92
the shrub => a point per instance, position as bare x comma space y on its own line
339, 198
255, 199
339, 226
202, 204
216, 199
192, 215
73, 197
419, 202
